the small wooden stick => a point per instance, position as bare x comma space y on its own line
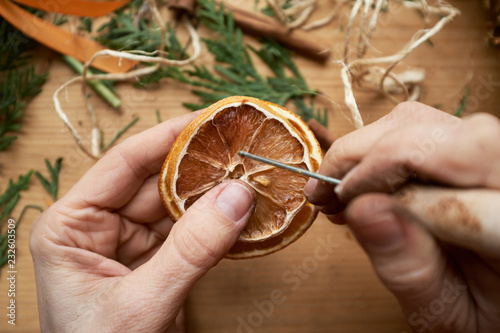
260, 25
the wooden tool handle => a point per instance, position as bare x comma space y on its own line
464, 217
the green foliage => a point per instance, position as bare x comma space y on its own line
18, 80
127, 31
11, 195
235, 73
17, 86
8, 200
268, 11
463, 103
120, 33
85, 24
59, 19
117, 135
4, 241
158, 116
51, 186
13, 44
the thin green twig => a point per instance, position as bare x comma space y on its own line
10, 197
4, 258
51, 186
25, 208
158, 116
463, 103
97, 85
119, 134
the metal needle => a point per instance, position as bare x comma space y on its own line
290, 168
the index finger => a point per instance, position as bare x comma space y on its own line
348, 151
466, 155
116, 177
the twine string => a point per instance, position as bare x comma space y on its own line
379, 75
374, 72
157, 58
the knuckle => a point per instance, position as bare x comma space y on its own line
35, 238
390, 145
335, 155
340, 158
195, 250
483, 131
486, 125
41, 233
412, 280
404, 110
120, 153
410, 112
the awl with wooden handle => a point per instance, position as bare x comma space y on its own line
464, 217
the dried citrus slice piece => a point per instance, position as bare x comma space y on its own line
206, 154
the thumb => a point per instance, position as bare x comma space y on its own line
409, 261
196, 243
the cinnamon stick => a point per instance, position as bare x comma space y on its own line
324, 137
296, 40
186, 6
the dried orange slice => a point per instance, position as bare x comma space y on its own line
206, 154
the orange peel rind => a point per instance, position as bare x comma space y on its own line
206, 154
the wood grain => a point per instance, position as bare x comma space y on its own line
338, 294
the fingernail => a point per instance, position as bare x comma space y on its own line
235, 201
311, 185
339, 189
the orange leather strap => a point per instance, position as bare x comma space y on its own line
75, 7
59, 39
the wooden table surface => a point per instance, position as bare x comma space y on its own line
339, 294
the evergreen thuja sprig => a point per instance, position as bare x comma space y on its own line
8, 201
235, 73
18, 80
4, 239
51, 186
128, 30
11, 195
17, 86
463, 103
121, 33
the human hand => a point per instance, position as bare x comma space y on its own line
431, 246
108, 259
